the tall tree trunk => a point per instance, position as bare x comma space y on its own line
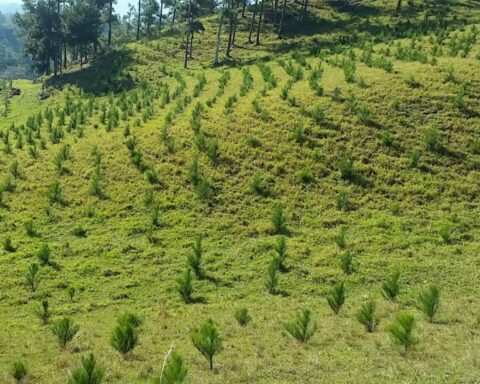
244, 5
219, 34
280, 25
257, 41
191, 45
110, 15
235, 23
160, 17
138, 19
252, 24
188, 31
399, 4
174, 12
230, 28
64, 55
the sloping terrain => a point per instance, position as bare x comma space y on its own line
368, 148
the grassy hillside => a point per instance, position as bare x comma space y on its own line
367, 143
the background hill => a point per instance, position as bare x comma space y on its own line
356, 134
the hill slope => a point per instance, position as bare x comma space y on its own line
367, 148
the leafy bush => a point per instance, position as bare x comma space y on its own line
401, 331
208, 341
336, 298
19, 371
303, 327
89, 373
184, 286
391, 287
367, 316
428, 301
65, 330
242, 316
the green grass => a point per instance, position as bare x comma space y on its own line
123, 263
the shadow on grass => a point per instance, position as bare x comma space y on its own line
108, 73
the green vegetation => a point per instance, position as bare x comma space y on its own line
302, 172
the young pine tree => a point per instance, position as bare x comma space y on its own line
336, 298
195, 258
208, 341
43, 311
346, 262
33, 275
89, 373
271, 281
428, 301
174, 371
303, 327
184, 286
280, 248
279, 221
65, 330
367, 316
124, 337
391, 287
401, 331
19, 371
242, 316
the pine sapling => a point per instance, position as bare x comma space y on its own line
303, 327
208, 341
336, 298
429, 301
367, 316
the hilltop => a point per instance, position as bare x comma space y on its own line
355, 139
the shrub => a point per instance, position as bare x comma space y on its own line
340, 238
401, 331
70, 291
19, 371
242, 316
208, 341
391, 287
336, 298
446, 231
8, 245
33, 275
414, 159
271, 281
279, 221
88, 373
55, 193
303, 327
194, 171
258, 185
43, 311
428, 301
306, 176
213, 151
412, 82
195, 258
95, 184
346, 262
432, 139
130, 318
65, 330
30, 228
347, 169
318, 115
174, 371
124, 338
280, 248
367, 316
349, 69
343, 203
184, 286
